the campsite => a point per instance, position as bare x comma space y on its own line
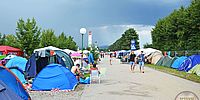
100, 49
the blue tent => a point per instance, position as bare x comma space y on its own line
37, 62
189, 63
177, 63
17, 66
6, 93
55, 76
13, 83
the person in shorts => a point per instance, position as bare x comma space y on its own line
141, 60
132, 60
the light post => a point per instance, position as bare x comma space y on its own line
82, 31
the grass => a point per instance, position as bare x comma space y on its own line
181, 74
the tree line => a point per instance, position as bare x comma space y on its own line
124, 43
178, 31
29, 37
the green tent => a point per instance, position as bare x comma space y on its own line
159, 63
169, 61
163, 60
195, 70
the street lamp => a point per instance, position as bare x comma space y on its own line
82, 31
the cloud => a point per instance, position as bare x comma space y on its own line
109, 34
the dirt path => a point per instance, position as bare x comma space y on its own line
119, 83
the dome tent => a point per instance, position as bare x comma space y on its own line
55, 76
189, 63
13, 83
17, 66
177, 63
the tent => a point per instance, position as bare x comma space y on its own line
38, 61
5, 50
6, 93
189, 63
169, 62
178, 62
154, 57
68, 51
195, 70
163, 60
55, 76
13, 83
17, 66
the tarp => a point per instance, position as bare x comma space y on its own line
169, 62
13, 83
10, 50
55, 76
17, 66
6, 93
189, 63
177, 63
195, 70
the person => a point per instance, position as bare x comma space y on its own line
141, 60
76, 71
110, 58
94, 67
132, 60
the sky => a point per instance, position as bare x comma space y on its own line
107, 19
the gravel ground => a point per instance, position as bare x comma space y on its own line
58, 95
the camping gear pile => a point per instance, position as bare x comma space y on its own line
47, 69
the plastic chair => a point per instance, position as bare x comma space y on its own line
94, 76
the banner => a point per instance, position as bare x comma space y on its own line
133, 45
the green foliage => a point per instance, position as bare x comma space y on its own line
11, 40
124, 43
2, 39
95, 53
180, 30
48, 38
64, 42
28, 35
148, 45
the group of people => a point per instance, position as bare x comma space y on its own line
134, 59
78, 73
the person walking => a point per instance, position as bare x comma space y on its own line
132, 60
141, 60
111, 55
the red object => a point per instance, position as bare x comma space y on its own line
6, 50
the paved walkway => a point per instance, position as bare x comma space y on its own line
119, 83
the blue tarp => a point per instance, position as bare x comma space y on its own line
17, 66
11, 81
189, 63
177, 63
55, 76
6, 93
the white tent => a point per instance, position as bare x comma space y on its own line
68, 51
43, 50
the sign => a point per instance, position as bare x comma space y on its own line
133, 45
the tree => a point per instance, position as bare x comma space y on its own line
66, 42
180, 30
124, 42
2, 39
11, 40
148, 45
28, 35
48, 38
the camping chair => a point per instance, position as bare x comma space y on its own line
94, 76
